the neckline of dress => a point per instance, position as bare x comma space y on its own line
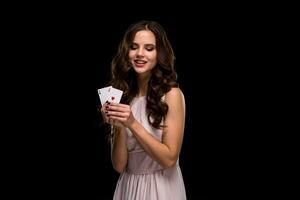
140, 96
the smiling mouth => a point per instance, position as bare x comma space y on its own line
140, 63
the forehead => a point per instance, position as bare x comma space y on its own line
144, 37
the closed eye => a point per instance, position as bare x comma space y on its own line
133, 47
149, 47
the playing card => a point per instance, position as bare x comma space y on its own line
104, 94
110, 94
115, 95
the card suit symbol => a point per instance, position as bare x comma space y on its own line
112, 98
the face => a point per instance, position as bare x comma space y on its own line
143, 54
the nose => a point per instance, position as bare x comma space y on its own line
140, 52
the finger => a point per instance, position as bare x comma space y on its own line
118, 108
120, 105
115, 118
104, 105
117, 114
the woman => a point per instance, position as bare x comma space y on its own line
147, 127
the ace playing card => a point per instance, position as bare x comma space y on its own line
110, 94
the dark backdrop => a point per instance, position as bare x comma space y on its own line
218, 71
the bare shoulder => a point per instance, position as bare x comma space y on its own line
175, 95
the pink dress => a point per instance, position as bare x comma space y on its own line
144, 178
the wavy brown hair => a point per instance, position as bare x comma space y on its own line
163, 76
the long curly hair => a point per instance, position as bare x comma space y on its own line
163, 75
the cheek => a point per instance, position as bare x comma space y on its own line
131, 55
152, 57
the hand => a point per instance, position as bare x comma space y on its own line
103, 109
119, 114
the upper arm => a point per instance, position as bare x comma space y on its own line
174, 121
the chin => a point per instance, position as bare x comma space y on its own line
140, 70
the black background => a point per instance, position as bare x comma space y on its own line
68, 55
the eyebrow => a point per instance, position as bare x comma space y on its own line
144, 44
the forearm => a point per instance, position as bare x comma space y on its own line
159, 151
119, 152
